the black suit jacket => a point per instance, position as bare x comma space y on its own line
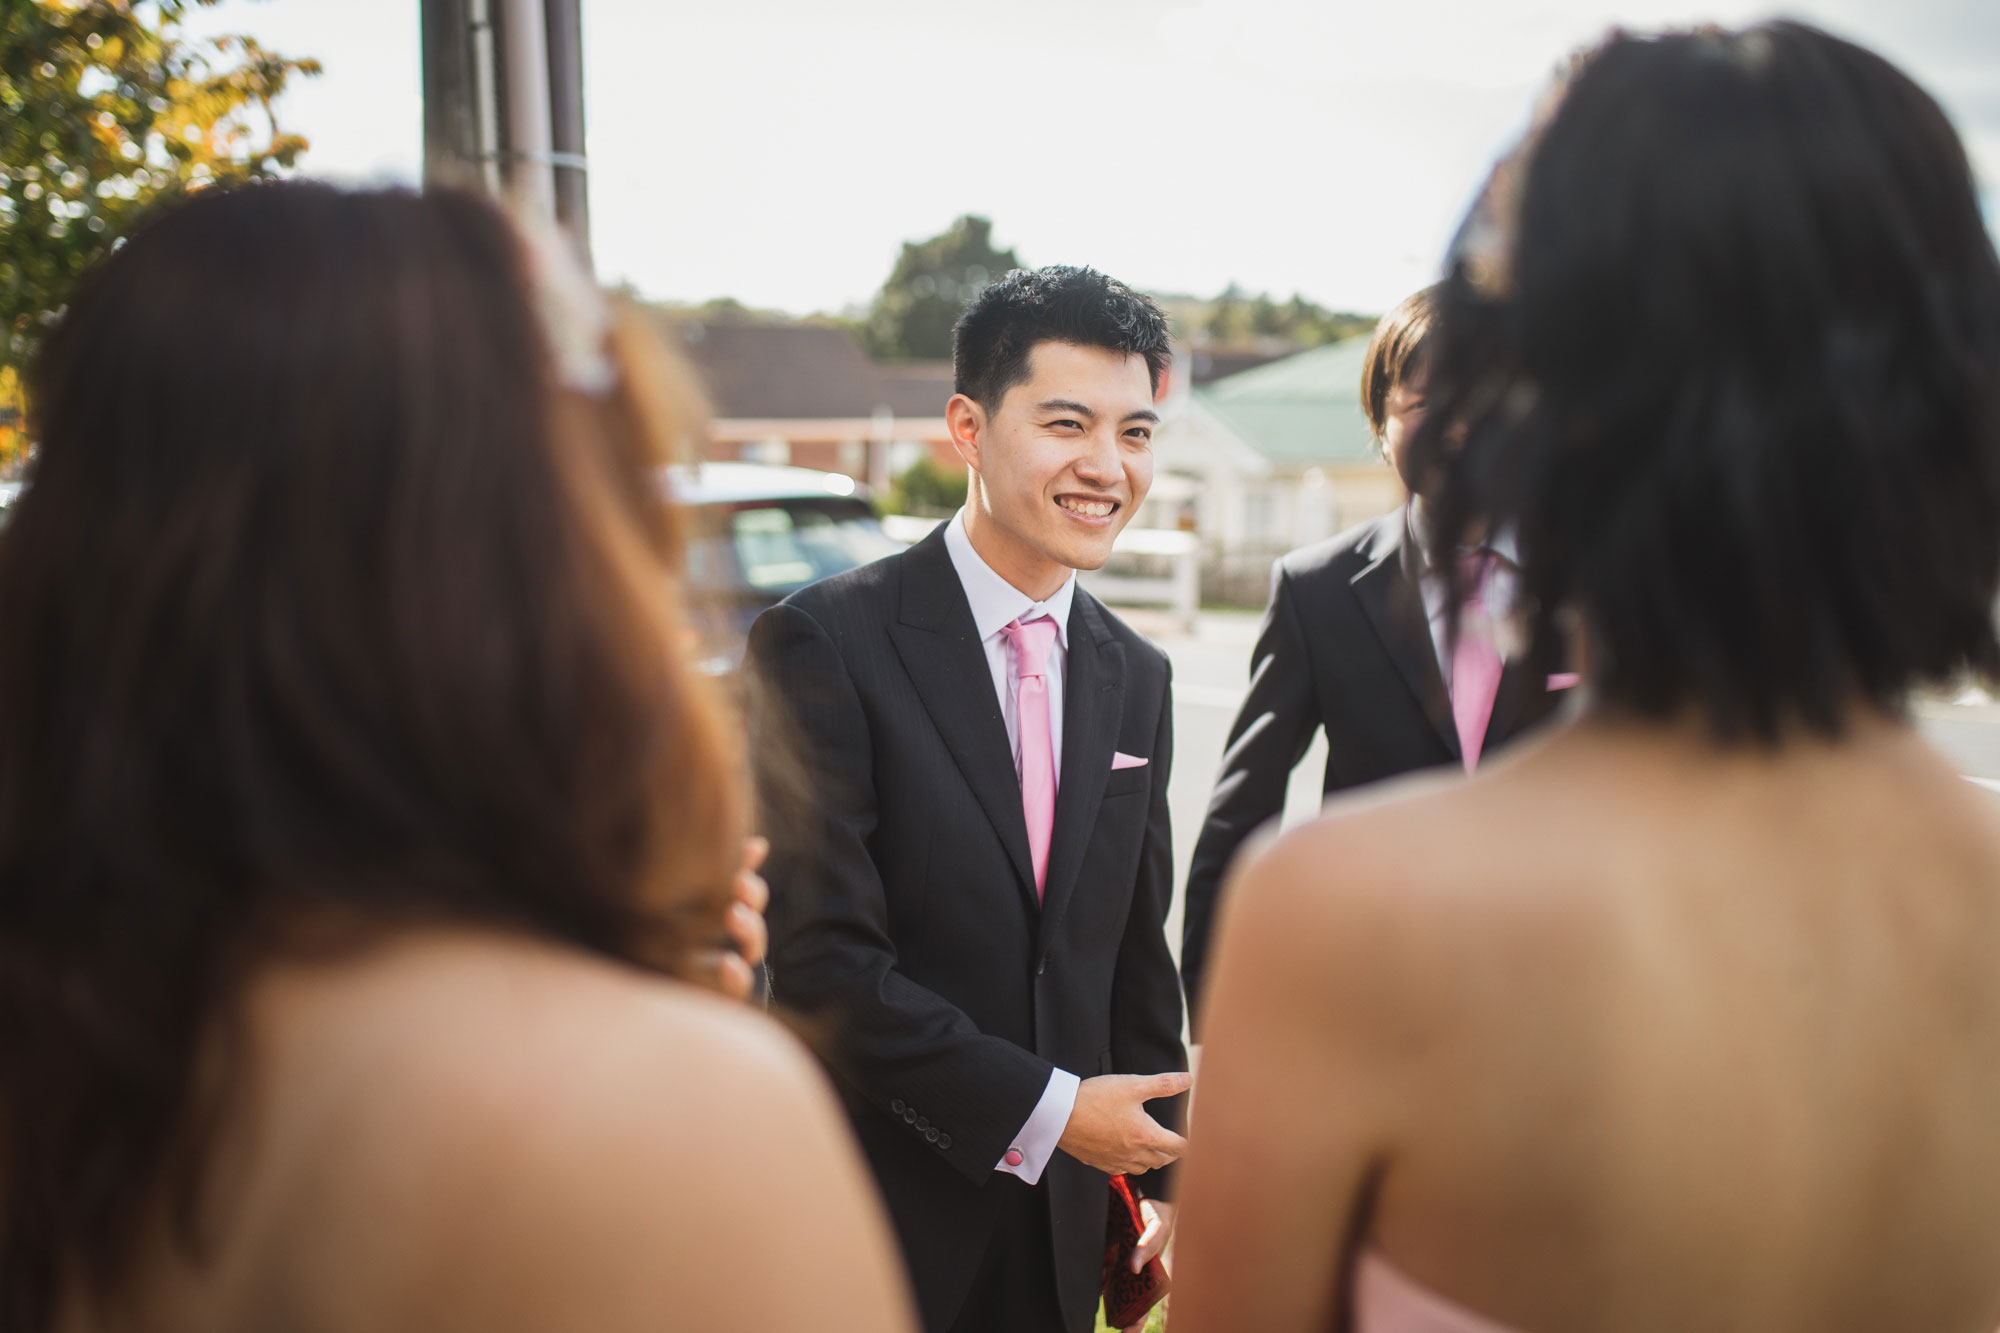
903, 909
1345, 645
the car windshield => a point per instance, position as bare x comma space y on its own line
773, 547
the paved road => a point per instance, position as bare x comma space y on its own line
1211, 668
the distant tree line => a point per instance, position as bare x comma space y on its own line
911, 317
1236, 318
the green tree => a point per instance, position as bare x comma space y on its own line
1235, 317
926, 489
105, 106
913, 314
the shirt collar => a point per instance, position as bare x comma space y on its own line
1502, 545
995, 602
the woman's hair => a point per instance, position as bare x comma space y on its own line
1395, 353
1721, 345
327, 604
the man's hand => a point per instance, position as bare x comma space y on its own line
1153, 1240
1110, 1130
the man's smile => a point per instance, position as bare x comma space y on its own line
1087, 506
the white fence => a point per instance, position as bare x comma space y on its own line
1151, 567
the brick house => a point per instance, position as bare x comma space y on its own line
809, 396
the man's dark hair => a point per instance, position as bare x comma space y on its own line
1723, 343
1059, 304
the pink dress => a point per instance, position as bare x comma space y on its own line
1387, 1302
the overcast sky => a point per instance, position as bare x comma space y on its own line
779, 151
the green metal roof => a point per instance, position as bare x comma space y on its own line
1303, 409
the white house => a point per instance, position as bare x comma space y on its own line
1267, 460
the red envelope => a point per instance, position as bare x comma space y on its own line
1128, 1295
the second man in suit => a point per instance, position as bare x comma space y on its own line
974, 902
1354, 641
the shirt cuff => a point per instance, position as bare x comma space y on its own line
1036, 1143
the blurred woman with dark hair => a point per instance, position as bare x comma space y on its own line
1688, 1016
358, 808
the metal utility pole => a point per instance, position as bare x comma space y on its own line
503, 104
565, 44
524, 53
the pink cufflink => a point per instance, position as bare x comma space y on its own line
1013, 1157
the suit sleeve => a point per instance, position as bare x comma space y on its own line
1266, 742
897, 1046
1146, 988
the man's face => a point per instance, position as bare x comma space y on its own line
1063, 462
1403, 413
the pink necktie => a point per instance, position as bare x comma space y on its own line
1475, 659
1031, 643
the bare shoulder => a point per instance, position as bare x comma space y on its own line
527, 1132
455, 1025
1368, 862
1398, 899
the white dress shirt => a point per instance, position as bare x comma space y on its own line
1498, 598
996, 604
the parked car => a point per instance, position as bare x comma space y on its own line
758, 533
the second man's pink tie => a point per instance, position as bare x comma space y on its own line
1035, 749
1475, 658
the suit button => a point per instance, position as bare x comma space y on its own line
909, 1116
931, 1134
896, 1107
944, 1142
921, 1124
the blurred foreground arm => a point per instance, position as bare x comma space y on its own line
1290, 1121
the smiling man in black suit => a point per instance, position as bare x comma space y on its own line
975, 900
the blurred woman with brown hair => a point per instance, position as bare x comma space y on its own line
358, 807
1688, 1016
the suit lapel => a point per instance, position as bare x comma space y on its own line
1388, 592
1509, 701
1093, 705
1524, 700
940, 649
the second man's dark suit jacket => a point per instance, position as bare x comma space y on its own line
1345, 645
903, 910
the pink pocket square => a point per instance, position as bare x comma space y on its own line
1121, 760
1564, 680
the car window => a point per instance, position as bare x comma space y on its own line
771, 548
785, 546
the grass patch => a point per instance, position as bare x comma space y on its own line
1156, 1322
